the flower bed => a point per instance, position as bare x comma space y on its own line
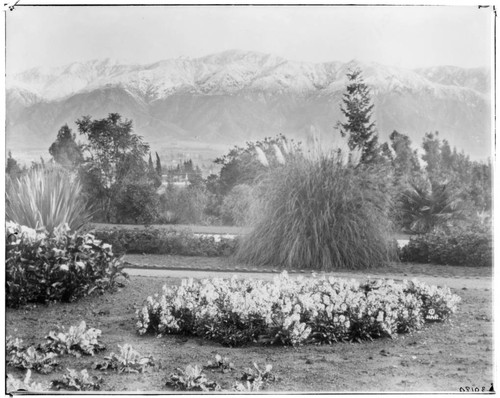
293, 311
56, 267
161, 241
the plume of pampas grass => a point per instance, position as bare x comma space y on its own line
261, 156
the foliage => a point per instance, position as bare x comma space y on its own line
185, 205
127, 361
12, 168
423, 209
292, 311
192, 378
65, 150
73, 381
61, 266
357, 108
163, 241
137, 202
47, 198
321, 214
237, 206
220, 363
467, 246
241, 166
18, 385
113, 159
20, 356
77, 340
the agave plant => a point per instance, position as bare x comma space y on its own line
47, 198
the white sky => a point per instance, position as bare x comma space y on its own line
405, 36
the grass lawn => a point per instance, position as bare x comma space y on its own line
441, 357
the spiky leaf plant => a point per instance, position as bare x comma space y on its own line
47, 198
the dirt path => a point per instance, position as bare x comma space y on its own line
453, 283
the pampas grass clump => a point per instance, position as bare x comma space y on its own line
321, 213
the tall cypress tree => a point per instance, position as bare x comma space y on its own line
357, 107
158, 165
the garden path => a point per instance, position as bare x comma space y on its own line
476, 282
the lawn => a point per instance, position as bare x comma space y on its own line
441, 357
197, 229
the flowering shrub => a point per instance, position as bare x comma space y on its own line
77, 341
60, 266
293, 311
162, 241
470, 247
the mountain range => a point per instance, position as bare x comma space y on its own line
227, 98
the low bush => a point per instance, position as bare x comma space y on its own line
163, 241
468, 247
57, 267
293, 311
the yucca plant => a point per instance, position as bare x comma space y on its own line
47, 198
320, 212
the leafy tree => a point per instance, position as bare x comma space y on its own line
432, 156
65, 150
138, 202
244, 165
12, 168
114, 158
405, 160
357, 108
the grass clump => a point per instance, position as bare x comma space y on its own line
323, 214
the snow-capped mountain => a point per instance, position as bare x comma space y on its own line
234, 96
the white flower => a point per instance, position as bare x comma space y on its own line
64, 267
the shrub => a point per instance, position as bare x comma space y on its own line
22, 357
163, 241
237, 206
192, 378
137, 202
61, 266
77, 341
293, 311
47, 197
321, 214
127, 361
185, 205
459, 246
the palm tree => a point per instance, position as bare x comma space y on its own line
423, 209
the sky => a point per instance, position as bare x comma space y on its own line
403, 36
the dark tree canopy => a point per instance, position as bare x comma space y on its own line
65, 150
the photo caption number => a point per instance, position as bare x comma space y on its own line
475, 389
